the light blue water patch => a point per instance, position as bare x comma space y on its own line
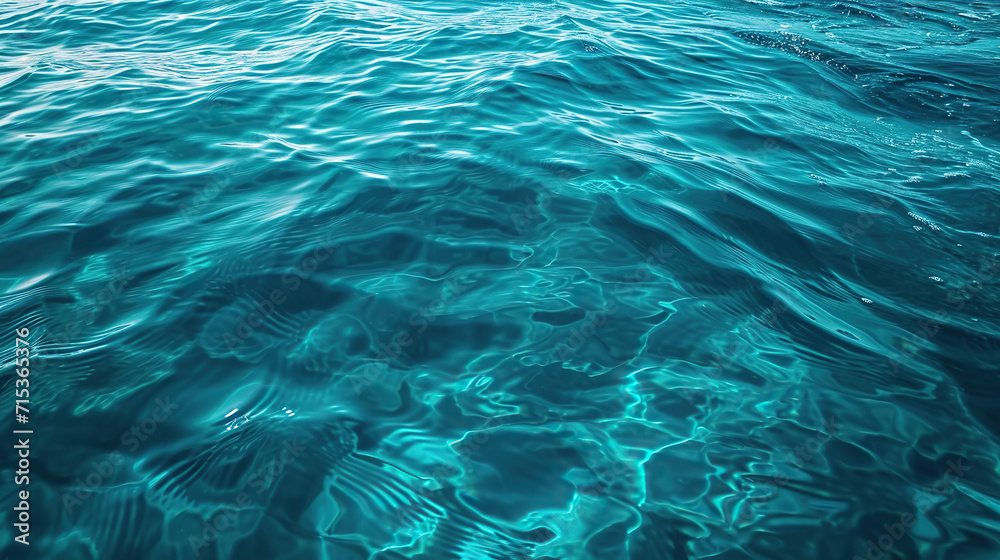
528, 280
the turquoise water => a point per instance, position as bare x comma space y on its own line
521, 280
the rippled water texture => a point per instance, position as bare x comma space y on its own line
518, 280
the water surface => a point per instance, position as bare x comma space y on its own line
459, 280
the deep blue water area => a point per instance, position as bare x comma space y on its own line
293, 280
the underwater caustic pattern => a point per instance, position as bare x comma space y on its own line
708, 279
